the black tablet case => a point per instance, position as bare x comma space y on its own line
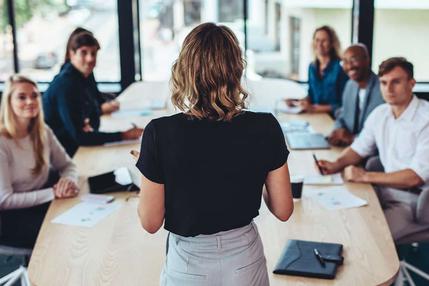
298, 259
105, 183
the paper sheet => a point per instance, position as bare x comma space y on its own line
335, 199
123, 142
334, 179
289, 109
86, 214
125, 113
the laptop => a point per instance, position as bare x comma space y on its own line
306, 141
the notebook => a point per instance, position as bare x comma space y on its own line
298, 258
304, 141
115, 181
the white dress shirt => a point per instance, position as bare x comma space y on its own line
402, 143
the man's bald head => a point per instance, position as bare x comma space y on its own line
356, 63
358, 50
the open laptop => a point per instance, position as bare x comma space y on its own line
306, 141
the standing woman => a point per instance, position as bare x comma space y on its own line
326, 78
28, 152
204, 169
71, 104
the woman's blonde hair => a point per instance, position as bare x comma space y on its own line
206, 76
335, 51
8, 120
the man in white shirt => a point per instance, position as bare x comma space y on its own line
399, 130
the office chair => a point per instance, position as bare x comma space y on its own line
405, 268
421, 218
21, 272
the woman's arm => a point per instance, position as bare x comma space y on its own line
11, 200
151, 207
277, 193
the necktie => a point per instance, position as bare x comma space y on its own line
356, 119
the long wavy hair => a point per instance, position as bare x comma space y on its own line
335, 51
206, 76
8, 120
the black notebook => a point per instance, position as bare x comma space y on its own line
118, 180
299, 258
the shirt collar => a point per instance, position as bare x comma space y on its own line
409, 112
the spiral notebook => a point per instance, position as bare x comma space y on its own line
298, 258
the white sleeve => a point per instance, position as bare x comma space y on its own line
365, 144
60, 161
420, 161
11, 200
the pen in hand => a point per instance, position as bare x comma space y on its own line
317, 164
134, 125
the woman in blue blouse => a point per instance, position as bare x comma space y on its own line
326, 78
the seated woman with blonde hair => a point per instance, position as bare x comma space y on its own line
29, 152
204, 169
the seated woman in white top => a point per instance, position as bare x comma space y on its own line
29, 151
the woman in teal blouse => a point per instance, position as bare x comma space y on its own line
326, 78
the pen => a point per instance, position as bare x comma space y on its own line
317, 164
319, 257
134, 125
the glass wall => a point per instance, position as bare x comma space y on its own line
165, 23
280, 34
401, 28
6, 45
43, 27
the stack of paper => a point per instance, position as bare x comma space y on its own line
335, 199
334, 179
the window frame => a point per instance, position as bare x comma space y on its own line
130, 54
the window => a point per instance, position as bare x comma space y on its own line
401, 29
164, 24
280, 34
6, 45
44, 26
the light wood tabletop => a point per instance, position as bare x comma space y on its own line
117, 251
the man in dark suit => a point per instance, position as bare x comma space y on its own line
360, 96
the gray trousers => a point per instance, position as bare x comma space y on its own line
228, 258
401, 209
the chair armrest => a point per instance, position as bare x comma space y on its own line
422, 209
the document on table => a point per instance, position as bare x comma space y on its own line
125, 113
86, 214
334, 179
123, 142
335, 198
289, 109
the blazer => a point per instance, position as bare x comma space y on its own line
346, 116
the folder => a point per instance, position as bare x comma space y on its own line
298, 258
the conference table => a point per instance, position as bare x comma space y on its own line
117, 251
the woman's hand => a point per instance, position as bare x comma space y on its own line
133, 133
135, 154
65, 188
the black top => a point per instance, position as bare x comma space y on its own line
213, 172
70, 99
